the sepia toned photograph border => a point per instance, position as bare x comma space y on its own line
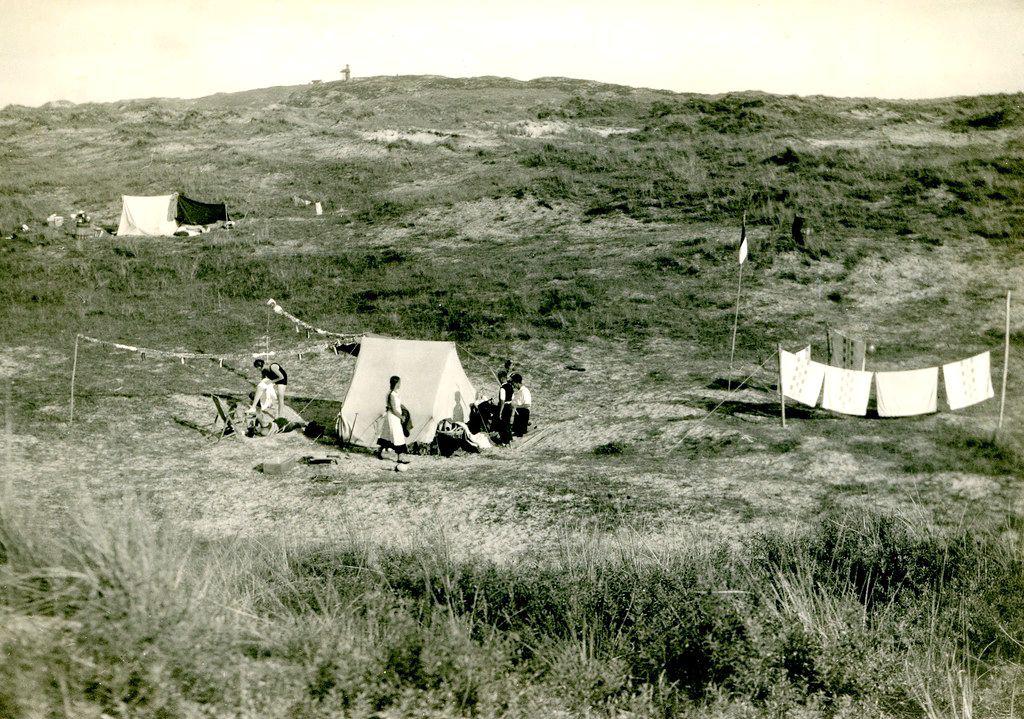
549, 360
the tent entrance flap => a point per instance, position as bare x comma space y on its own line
194, 212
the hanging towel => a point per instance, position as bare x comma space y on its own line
908, 393
846, 390
801, 377
968, 381
845, 352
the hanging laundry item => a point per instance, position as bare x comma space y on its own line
846, 390
968, 381
845, 352
908, 393
801, 376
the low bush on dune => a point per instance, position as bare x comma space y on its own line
116, 614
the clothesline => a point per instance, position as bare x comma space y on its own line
902, 393
310, 329
219, 358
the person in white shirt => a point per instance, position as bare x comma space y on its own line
521, 402
264, 406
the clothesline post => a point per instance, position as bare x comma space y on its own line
74, 368
782, 397
267, 337
1006, 366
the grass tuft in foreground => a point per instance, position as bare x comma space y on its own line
859, 616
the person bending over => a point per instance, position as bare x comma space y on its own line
264, 402
280, 378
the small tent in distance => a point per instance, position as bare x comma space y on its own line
160, 215
434, 387
154, 216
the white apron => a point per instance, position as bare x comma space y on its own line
392, 429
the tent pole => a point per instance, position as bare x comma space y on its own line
782, 397
735, 322
1006, 365
74, 368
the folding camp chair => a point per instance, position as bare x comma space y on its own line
228, 414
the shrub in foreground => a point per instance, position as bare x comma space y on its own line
113, 613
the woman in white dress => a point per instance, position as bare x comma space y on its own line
392, 436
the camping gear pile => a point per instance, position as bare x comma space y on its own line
452, 437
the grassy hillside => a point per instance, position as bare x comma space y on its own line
664, 548
496, 209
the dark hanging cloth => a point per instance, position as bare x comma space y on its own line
193, 212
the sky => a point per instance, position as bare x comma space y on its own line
102, 50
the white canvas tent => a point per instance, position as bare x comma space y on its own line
434, 387
148, 215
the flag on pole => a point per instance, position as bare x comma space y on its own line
743, 240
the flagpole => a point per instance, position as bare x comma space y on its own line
1006, 365
736, 315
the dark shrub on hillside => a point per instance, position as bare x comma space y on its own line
615, 448
383, 257
1003, 117
580, 296
785, 158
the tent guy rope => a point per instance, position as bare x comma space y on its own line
729, 394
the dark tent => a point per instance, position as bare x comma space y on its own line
193, 212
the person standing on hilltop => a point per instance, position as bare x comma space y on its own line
276, 373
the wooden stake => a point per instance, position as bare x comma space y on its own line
74, 368
9, 434
735, 322
782, 397
1006, 365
